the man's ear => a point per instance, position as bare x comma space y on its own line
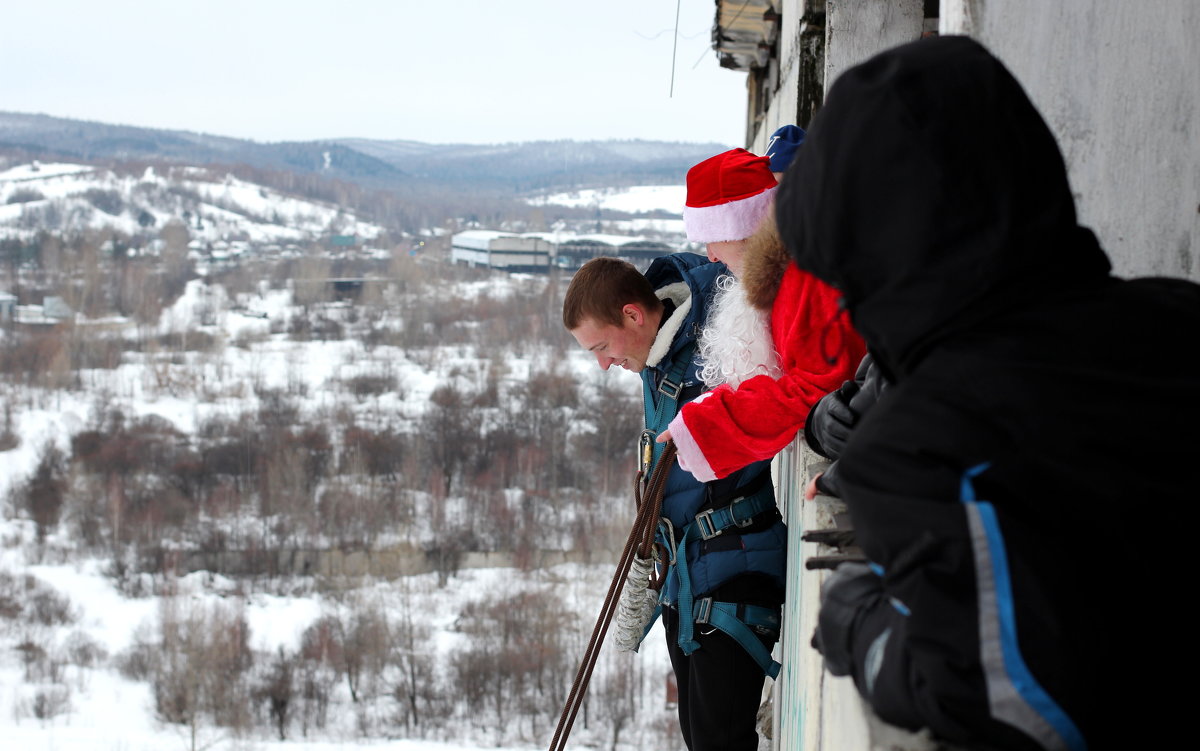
634, 313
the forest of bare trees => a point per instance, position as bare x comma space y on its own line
512, 454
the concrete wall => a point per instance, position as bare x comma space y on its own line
795, 35
813, 710
857, 30
1119, 84
818, 40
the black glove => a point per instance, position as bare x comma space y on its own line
851, 590
831, 421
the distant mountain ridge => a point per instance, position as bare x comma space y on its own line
542, 165
53, 137
530, 167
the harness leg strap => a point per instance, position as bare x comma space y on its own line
723, 616
686, 643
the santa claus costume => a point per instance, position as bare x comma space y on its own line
777, 340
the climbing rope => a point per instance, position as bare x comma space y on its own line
648, 501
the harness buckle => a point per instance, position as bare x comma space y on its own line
703, 610
740, 523
708, 529
669, 388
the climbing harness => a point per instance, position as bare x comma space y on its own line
654, 540
660, 412
741, 623
739, 514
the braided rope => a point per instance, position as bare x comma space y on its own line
641, 539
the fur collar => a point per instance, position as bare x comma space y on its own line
680, 294
765, 261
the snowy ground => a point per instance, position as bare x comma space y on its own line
107, 712
110, 713
636, 199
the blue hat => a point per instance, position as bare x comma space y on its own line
782, 146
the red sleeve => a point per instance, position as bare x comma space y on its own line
818, 351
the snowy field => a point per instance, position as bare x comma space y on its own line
110, 713
636, 199
77, 698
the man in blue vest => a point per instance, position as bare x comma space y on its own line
726, 540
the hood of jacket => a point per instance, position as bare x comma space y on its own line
687, 279
931, 193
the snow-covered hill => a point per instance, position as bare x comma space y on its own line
638, 199
635, 199
214, 206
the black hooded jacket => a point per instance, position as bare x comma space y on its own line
1042, 414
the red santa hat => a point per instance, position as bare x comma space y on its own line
727, 196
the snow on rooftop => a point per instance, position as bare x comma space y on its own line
484, 234
616, 240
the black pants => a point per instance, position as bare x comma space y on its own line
719, 689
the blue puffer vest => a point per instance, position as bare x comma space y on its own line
713, 562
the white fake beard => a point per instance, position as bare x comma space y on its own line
736, 341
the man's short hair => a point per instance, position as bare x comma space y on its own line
601, 288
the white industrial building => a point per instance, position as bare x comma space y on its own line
539, 251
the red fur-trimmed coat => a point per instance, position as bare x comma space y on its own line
727, 428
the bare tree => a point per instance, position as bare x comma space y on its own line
415, 688
516, 661
278, 690
43, 493
447, 430
204, 657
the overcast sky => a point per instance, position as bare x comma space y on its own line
443, 71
